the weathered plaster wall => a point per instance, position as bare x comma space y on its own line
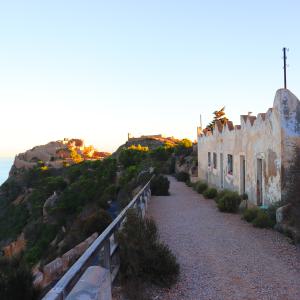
289, 107
270, 137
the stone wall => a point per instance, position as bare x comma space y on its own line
53, 270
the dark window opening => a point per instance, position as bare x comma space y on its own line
215, 160
230, 164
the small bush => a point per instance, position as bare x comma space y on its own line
201, 187
250, 214
188, 183
16, 280
210, 193
229, 202
160, 186
262, 220
96, 223
194, 186
143, 257
221, 194
135, 289
182, 176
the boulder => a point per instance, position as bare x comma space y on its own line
38, 278
69, 258
50, 202
80, 248
53, 270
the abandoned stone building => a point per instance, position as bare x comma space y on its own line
256, 156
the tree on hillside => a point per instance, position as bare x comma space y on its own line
133, 155
184, 147
160, 154
75, 156
16, 280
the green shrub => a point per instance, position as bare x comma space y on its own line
263, 220
210, 193
13, 220
201, 187
11, 188
51, 184
16, 280
39, 237
221, 194
143, 257
229, 202
160, 186
160, 154
132, 156
250, 214
184, 147
188, 183
129, 174
194, 185
97, 222
182, 176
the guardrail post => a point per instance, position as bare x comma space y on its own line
106, 254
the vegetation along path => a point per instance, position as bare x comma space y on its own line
220, 255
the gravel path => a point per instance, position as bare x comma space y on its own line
221, 256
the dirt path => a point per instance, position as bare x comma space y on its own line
221, 256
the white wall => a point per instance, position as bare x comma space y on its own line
259, 139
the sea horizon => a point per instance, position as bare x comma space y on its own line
5, 166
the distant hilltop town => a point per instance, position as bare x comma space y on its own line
56, 154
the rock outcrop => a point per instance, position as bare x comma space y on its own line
15, 247
56, 155
50, 202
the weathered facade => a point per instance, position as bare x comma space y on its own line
254, 157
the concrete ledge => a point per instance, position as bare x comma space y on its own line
94, 284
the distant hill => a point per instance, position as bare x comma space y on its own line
56, 154
150, 141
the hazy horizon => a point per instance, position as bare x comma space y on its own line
97, 70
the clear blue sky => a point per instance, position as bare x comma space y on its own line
100, 69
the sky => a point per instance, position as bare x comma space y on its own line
98, 70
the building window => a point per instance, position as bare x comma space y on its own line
209, 159
215, 160
230, 164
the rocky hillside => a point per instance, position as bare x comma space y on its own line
61, 195
56, 155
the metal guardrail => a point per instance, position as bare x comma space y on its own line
103, 251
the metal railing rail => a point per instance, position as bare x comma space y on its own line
102, 251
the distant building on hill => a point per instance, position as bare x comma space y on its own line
142, 137
257, 156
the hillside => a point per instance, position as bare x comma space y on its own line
48, 207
